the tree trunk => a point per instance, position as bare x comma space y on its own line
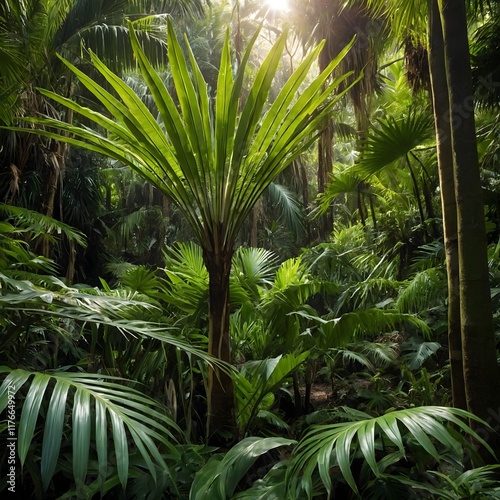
220, 398
257, 212
440, 102
325, 163
478, 342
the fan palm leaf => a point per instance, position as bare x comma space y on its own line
393, 140
196, 167
287, 204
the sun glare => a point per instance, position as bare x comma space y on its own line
281, 5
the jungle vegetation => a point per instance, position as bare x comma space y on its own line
249, 250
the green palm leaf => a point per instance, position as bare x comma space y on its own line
289, 208
94, 398
326, 446
340, 331
124, 314
38, 224
392, 140
210, 181
221, 475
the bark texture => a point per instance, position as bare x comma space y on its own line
440, 102
221, 406
478, 343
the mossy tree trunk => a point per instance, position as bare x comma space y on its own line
478, 342
440, 101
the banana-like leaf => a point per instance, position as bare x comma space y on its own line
94, 397
221, 475
326, 446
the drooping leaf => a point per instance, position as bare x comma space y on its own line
221, 475
131, 414
326, 446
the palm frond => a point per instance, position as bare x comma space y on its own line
252, 269
425, 290
394, 139
289, 207
100, 403
221, 475
38, 224
326, 446
416, 351
479, 481
186, 283
123, 313
340, 331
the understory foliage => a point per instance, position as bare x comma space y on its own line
109, 383
339, 349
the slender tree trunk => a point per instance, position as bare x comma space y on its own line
372, 210
440, 101
325, 163
221, 406
478, 342
57, 166
416, 191
257, 212
360, 206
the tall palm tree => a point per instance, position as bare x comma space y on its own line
338, 23
211, 159
440, 104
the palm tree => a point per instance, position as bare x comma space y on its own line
440, 102
338, 23
213, 162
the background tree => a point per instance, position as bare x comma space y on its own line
34, 32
